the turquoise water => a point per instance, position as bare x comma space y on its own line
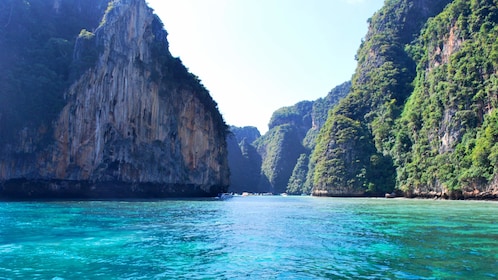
250, 238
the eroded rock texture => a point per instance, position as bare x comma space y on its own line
136, 122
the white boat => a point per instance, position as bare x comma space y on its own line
224, 196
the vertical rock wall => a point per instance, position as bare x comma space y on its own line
137, 124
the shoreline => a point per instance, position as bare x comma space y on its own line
454, 195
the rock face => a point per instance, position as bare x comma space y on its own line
136, 123
422, 113
243, 159
353, 153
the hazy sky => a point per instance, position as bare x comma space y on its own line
255, 56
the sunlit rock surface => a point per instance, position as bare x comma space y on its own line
136, 123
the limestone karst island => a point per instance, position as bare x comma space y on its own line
108, 113
93, 105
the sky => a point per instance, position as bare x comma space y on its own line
256, 56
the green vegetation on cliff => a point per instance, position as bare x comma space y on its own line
36, 52
280, 148
89, 110
447, 134
297, 182
286, 147
46, 45
282, 156
381, 84
352, 167
284, 150
421, 113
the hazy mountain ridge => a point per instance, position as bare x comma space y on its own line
243, 159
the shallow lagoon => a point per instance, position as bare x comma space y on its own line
250, 238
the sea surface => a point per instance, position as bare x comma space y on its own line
249, 238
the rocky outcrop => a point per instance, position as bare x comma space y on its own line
455, 112
243, 159
421, 117
136, 123
353, 154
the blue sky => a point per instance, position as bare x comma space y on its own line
255, 56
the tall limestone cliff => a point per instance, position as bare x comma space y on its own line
135, 122
421, 116
447, 135
352, 155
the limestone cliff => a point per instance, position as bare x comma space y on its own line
421, 118
353, 151
451, 115
135, 123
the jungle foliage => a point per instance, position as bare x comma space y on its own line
286, 147
446, 136
422, 110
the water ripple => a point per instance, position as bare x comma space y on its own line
249, 238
